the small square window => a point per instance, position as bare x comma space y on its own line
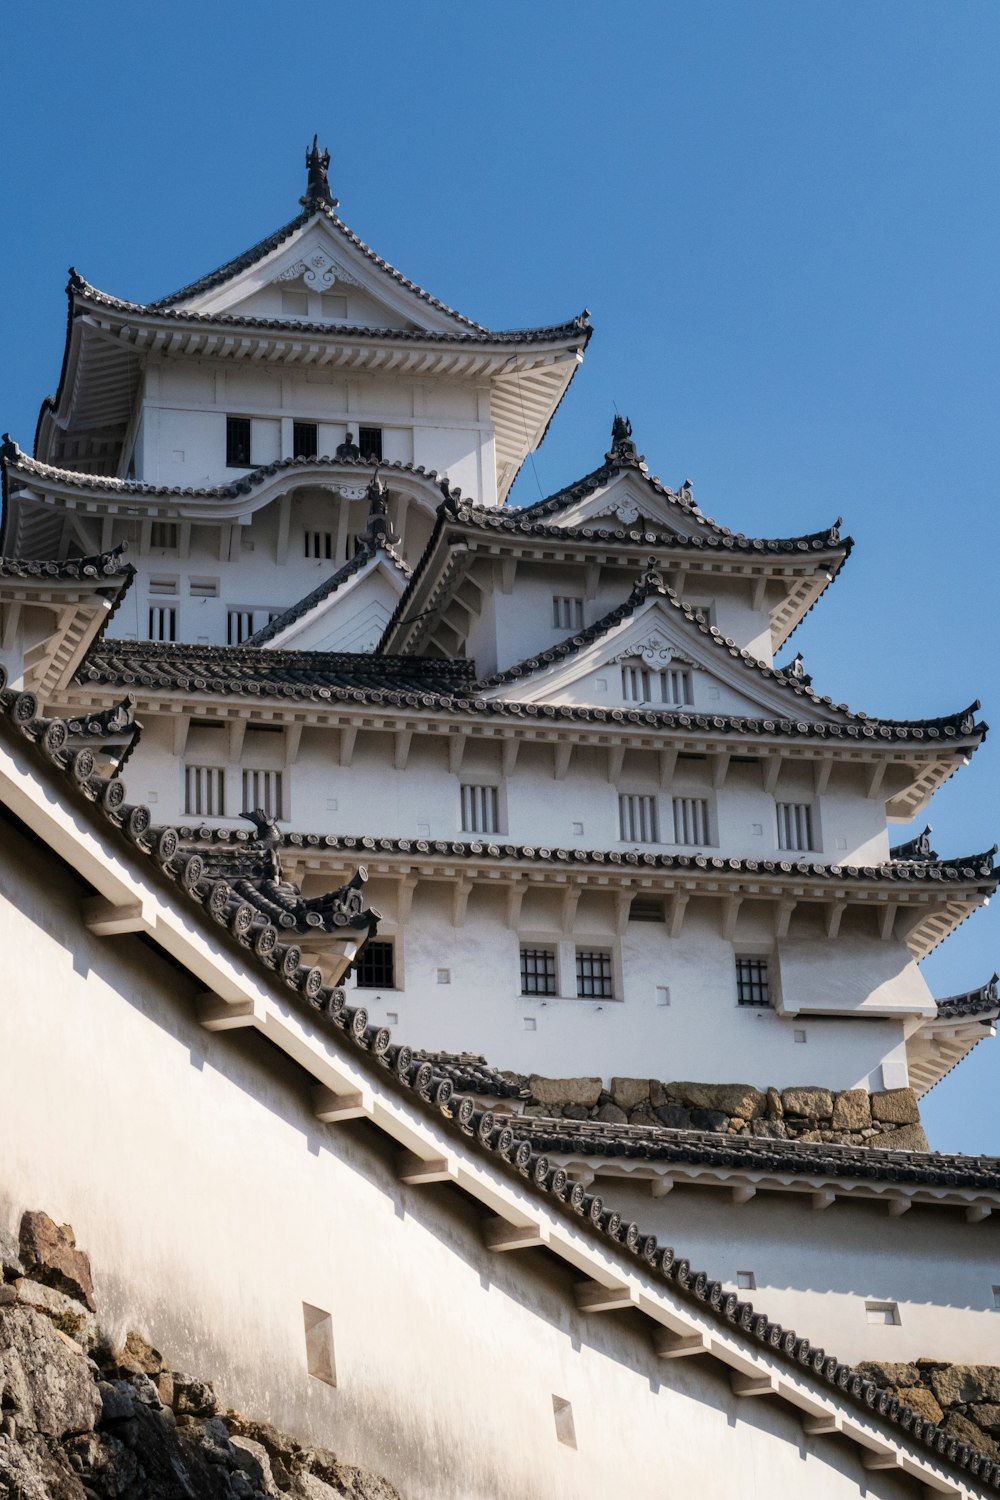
262, 790
565, 1430
882, 1312
637, 821
370, 443
538, 971
444, 976
594, 978
162, 622
319, 544
375, 968
304, 439
746, 1281
203, 588
690, 820
567, 612
480, 809
238, 442
646, 909
662, 994
530, 1024
795, 826
752, 983
163, 534
205, 791
798, 1035
239, 626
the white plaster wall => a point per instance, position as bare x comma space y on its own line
213, 1205
815, 1270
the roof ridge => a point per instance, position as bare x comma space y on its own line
367, 552
237, 925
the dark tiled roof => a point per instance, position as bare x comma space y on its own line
974, 867
758, 1153
511, 1146
17, 462
444, 686
361, 558
578, 327
915, 848
982, 1002
105, 565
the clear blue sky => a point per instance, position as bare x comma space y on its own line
782, 214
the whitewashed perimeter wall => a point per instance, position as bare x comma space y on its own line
816, 1270
214, 1205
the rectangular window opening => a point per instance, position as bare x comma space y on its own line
752, 984
646, 909
746, 1281
637, 821
163, 534
594, 978
304, 440
318, 1326
205, 791
538, 971
370, 443
480, 809
162, 622
567, 612
239, 624
238, 442
795, 826
882, 1312
262, 790
996, 1296
565, 1430
203, 588
319, 544
375, 969
635, 682
675, 687
690, 820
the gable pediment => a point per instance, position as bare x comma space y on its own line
626, 502
351, 617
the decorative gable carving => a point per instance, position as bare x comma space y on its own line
656, 650
626, 504
319, 271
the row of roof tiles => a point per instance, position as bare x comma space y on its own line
510, 1146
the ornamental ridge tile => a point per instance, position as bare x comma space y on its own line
509, 1146
110, 566
983, 1002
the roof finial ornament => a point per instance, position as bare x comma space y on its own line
622, 445
317, 193
378, 528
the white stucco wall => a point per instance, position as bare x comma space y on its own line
213, 1205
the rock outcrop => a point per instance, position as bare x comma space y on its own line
963, 1399
82, 1420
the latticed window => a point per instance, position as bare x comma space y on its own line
567, 613
675, 687
370, 443
637, 819
375, 969
594, 980
163, 622
304, 439
238, 442
690, 820
752, 985
163, 534
205, 791
635, 682
538, 971
319, 544
240, 626
795, 825
262, 789
480, 809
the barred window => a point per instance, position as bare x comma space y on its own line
795, 825
319, 544
303, 439
163, 534
375, 969
675, 687
162, 622
370, 443
752, 986
567, 613
538, 971
646, 909
635, 682
480, 809
240, 626
238, 442
690, 820
593, 974
205, 791
262, 789
637, 819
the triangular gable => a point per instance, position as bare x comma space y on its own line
347, 613
329, 272
656, 653
629, 499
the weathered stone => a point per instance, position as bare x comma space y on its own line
959, 1385
10, 1260
673, 1116
906, 1138
42, 1381
775, 1108
889, 1376
68, 1315
921, 1400
165, 1387
193, 1398
253, 1459
708, 1119
657, 1093
986, 1416
815, 1103
611, 1114
575, 1112
137, 1356
768, 1129
31, 1469
967, 1432
565, 1090
117, 1401
852, 1110
628, 1092
728, 1098
896, 1107
642, 1115
49, 1255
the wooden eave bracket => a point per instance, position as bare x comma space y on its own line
594, 1297
501, 1235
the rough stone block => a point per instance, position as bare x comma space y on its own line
574, 1111
815, 1103
889, 1376
610, 1114
10, 1261
68, 1315
967, 1432
46, 1383
628, 1092
565, 1090
193, 1398
896, 1107
986, 1416
773, 1130
775, 1108
673, 1116
709, 1119
852, 1110
49, 1255
922, 1401
657, 1093
138, 1357
906, 1138
730, 1098
960, 1385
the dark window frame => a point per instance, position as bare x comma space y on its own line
595, 975
238, 443
370, 443
305, 440
374, 970
538, 971
753, 981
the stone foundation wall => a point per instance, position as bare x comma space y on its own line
83, 1420
853, 1117
963, 1399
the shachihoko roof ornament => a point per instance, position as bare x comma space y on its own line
317, 191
